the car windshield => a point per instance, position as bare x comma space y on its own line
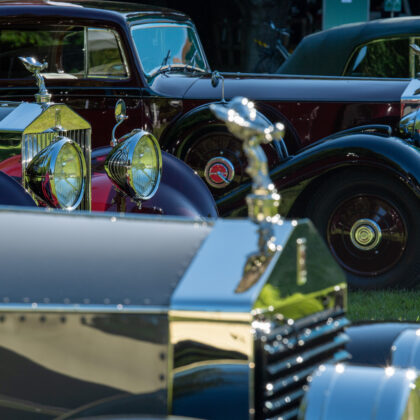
164, 46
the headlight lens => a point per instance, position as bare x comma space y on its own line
68, 176
57, 174
145, 166
135, 165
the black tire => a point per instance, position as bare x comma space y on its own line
370, 223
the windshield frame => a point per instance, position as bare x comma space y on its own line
177, 67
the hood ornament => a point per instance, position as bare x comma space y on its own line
246, 123
35, 67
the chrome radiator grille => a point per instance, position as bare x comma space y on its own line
287, 355
32, 144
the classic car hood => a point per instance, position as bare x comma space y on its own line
203, 263
283, 88
174, 85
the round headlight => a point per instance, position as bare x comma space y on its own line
57, 174
68, 180
135, 165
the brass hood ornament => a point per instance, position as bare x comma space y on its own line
246, 123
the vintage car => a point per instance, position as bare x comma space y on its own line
46, 148
368, 180
85, 333
379, 48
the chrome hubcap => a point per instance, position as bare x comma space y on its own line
365, 234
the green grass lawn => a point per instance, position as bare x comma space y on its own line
402, 305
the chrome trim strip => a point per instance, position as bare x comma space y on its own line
80, 308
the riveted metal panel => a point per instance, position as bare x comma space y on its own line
77, 260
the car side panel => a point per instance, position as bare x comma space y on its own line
296, 175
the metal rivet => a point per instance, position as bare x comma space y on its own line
162, 356
162, 377
63, 319
42, 319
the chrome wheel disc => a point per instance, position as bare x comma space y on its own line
365, 234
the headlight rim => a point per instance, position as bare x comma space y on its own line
45, 176
126, 147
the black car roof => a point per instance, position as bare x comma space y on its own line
326, 53
89, 8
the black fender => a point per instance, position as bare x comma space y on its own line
371, 342
181, 191
201, 120
13, 194
179, 134
298, 177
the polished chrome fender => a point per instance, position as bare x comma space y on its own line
405, 350
358, 392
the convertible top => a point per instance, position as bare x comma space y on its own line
326, 53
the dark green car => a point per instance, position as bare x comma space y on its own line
379, 48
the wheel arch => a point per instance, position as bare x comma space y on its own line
200, 120
299, 205
361, 152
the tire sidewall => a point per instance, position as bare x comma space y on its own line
332, 194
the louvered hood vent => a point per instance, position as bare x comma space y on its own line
286, 355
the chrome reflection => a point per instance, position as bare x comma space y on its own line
135, 165
405, 350
356, 392
49, 178
244, 122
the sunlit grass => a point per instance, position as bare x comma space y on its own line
378, 305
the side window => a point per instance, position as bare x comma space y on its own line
389, 57
18, 43
71, 52
104, 55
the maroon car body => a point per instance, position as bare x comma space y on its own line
319, 173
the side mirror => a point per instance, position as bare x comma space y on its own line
120, 113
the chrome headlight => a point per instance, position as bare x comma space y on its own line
57, 174
135, 165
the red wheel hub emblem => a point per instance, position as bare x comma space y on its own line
219, 172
